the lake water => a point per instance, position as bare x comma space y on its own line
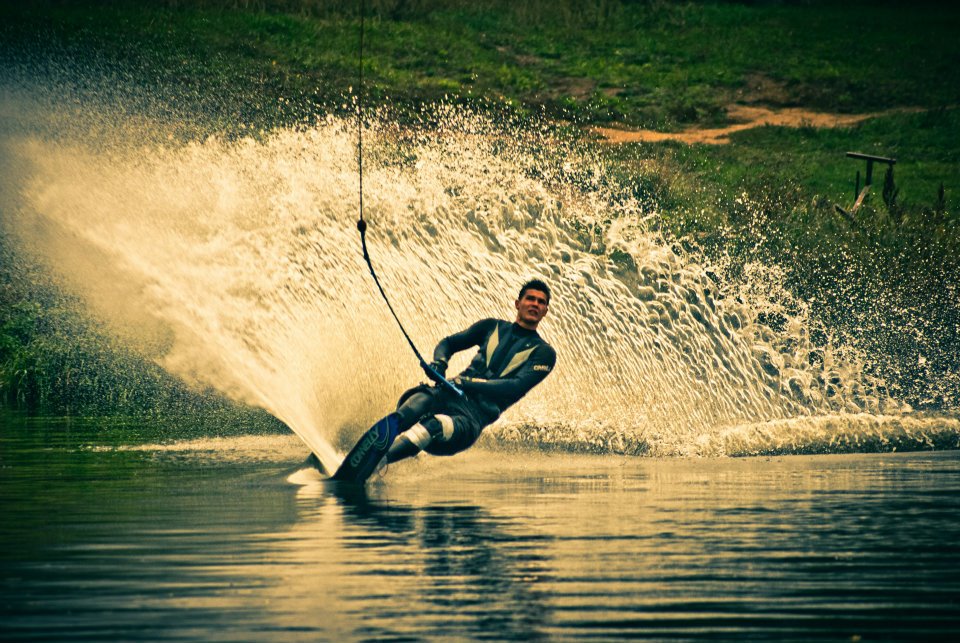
113, 533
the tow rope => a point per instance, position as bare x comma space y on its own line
431, 372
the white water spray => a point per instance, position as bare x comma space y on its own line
237, 265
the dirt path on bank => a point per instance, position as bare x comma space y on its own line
749, 118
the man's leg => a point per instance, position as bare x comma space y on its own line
438, 435
414, 405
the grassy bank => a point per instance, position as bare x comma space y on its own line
767, 196
655, 64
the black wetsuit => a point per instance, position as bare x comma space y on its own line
510, 362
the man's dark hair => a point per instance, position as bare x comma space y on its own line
535, 284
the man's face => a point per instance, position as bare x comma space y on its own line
531, 308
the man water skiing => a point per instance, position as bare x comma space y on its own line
512, 359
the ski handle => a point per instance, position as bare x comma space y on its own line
440, 380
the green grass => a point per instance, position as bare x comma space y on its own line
814, 160
658, 64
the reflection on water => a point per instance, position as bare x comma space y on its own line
100, 543
437, 567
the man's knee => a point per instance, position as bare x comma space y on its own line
450, 435
435, 431
409, 443
441, 427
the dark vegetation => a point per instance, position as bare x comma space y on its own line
886, 278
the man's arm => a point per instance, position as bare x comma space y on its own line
507, 390
472, 336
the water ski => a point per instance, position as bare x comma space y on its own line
369, 450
